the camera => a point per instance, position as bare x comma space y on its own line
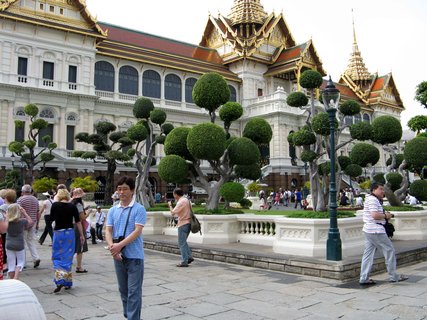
117, 240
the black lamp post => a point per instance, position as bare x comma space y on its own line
331, 98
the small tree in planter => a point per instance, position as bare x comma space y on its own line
228, 157
419, 189
27, 150
232, 192
88, 184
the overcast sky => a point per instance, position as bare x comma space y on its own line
390, 33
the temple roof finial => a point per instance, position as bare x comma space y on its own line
356, 68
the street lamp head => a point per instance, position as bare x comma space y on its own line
331, 95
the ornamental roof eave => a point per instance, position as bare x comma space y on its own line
81, 5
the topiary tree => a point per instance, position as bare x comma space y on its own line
415, 154
313, 138
12, 180
421, 94
418, 124
228, 157
232, 192
148, 132
27, 150
108, 149
364, 154
394, 180
419, 189
210, 92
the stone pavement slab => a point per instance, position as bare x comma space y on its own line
220, 291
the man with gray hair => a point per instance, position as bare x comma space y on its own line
31, 206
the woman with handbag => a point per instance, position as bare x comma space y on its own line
183, 211
64, 213
81, 244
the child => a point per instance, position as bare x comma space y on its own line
15, 249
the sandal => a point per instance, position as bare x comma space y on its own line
401, 278
368, 283
81, 270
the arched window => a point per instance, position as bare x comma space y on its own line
173, 88
128, 80
366, 118
189, 85
104, 76
151, 84
47, 114
233, 95
357, 118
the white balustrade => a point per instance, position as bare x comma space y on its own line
290, 236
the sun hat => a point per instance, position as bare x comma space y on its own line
48, 193
78, 193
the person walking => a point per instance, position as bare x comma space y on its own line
298, 199
123, 233
9, 197
64, 213
182, 210
47, 205
81, 244
100, 218
15, 247
374, 217
31, 207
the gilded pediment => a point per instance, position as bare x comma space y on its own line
71, 14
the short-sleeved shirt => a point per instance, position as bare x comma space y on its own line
64, 214
47, 206
30, 204
372, 204
15, 235
116, 218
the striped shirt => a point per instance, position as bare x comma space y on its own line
372, 204
30, 204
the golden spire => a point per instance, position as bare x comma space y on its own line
356, 68
247, 11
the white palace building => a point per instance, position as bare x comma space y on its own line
78, 71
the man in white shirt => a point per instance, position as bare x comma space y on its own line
412, 200
376, 238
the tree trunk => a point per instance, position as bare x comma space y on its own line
109, 186
213, 195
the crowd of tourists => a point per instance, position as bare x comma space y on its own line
284, 198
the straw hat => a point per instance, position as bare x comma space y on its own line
78, 193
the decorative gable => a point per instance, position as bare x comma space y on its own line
70, 15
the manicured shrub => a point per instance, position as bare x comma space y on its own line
361, 131
243, 151
349, 108
231, 111
206, 141
308, 156
415, 153
297, 99
258, 130
232, 191
386, 129
142, 108
395, 180
211, 91
176, 143
418, 189
251, 172
311, 79
173, 168
364, 154
303, 137
353, 170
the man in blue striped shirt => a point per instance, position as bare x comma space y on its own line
125, 222
374, 217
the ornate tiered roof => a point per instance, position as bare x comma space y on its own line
356, 68
247, 11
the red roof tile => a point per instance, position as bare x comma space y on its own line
157, 43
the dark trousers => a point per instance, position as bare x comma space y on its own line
99, 231
3, 237
92, 235
47, 229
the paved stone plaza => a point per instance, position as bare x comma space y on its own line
215, 290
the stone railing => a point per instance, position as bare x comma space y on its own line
302, 237
410, 225
291, 236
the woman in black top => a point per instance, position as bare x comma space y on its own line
64, 214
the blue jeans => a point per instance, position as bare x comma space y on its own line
130, 275
183, 233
